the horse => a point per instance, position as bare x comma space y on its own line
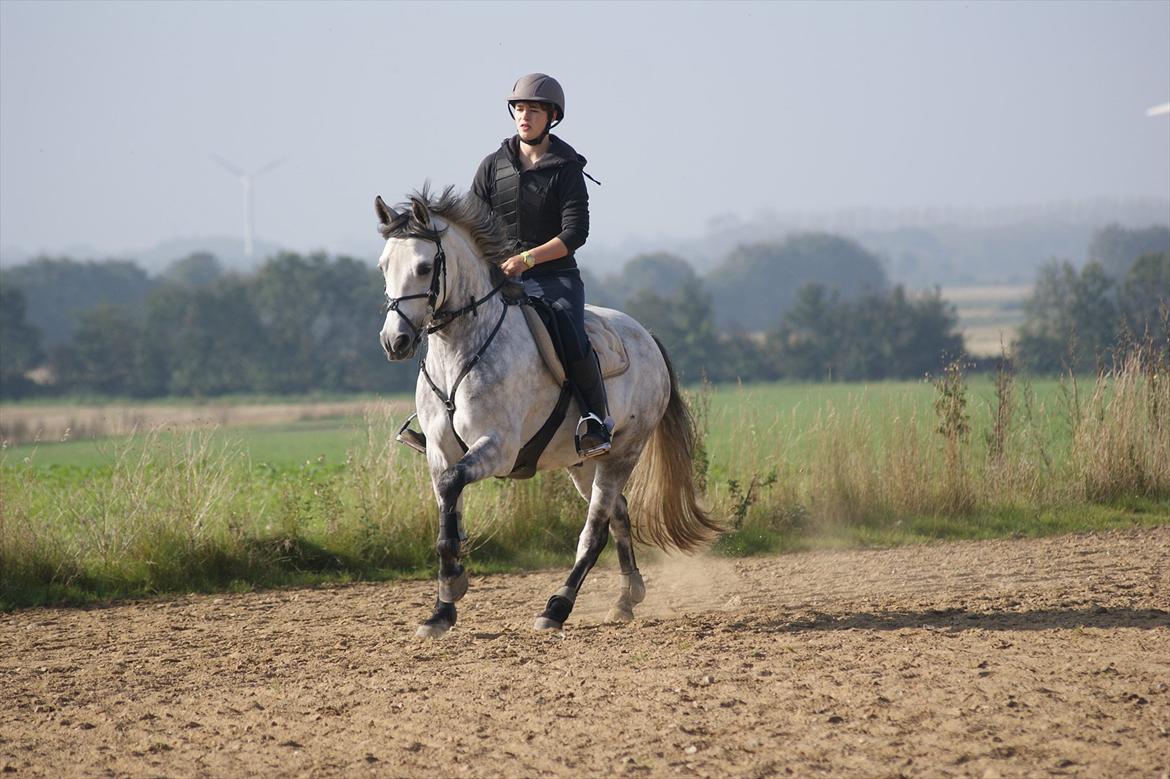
482, 393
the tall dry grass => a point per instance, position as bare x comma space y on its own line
190, 511
1121, 435
156, 514
1102, 443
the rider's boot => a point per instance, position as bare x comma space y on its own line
595, 426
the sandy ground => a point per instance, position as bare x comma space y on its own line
987, 659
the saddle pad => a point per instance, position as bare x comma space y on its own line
611, 352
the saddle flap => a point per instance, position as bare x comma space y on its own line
611, 352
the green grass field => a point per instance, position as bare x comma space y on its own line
747, 425
282, 446
757, 424
784, 466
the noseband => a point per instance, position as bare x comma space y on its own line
438, 279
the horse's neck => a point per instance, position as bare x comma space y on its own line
469, 277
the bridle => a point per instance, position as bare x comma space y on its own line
438, 319
438, 279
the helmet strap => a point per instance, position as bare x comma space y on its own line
538, 140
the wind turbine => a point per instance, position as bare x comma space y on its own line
246, 180
1159, 110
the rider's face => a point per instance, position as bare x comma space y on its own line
531, 119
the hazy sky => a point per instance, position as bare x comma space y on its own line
110, 112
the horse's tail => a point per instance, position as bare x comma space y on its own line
665, 506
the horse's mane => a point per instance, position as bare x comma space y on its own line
467, 211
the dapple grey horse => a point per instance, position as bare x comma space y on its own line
482, 393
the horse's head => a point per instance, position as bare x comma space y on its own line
414, 266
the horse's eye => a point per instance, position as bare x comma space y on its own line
424, 269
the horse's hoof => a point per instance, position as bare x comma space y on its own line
633, 586
441, 620
620, 614
432, 629
556, 611
453, 588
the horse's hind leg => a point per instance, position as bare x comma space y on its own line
633, 589
603, 500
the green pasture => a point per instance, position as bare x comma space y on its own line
782, 466
745, 425
753, 425
281, 446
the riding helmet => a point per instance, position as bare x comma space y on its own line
538, 88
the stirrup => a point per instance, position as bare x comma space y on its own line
599, 449
412, 438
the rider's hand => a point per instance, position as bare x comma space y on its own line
513, 266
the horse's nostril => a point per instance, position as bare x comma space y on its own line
401, 342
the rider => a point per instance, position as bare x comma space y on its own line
535, 182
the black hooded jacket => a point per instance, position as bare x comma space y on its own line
553, 200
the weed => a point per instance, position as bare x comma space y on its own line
742, 499
1001, 415
699, 403
954, 425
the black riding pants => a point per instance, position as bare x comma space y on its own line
564, 292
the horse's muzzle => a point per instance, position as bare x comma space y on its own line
399, 346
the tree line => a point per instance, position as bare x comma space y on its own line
1085, 321
812, 307
298, 324
309, 323
811, 331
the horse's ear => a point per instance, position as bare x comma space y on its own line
420, 212
386, 214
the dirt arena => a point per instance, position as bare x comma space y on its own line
988, 659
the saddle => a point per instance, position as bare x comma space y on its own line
611, 352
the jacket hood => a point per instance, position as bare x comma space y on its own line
559, 153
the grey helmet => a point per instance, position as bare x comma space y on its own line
539, 88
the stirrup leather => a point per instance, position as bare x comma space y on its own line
583, 429
412, 438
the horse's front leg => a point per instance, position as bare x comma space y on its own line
479, 463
